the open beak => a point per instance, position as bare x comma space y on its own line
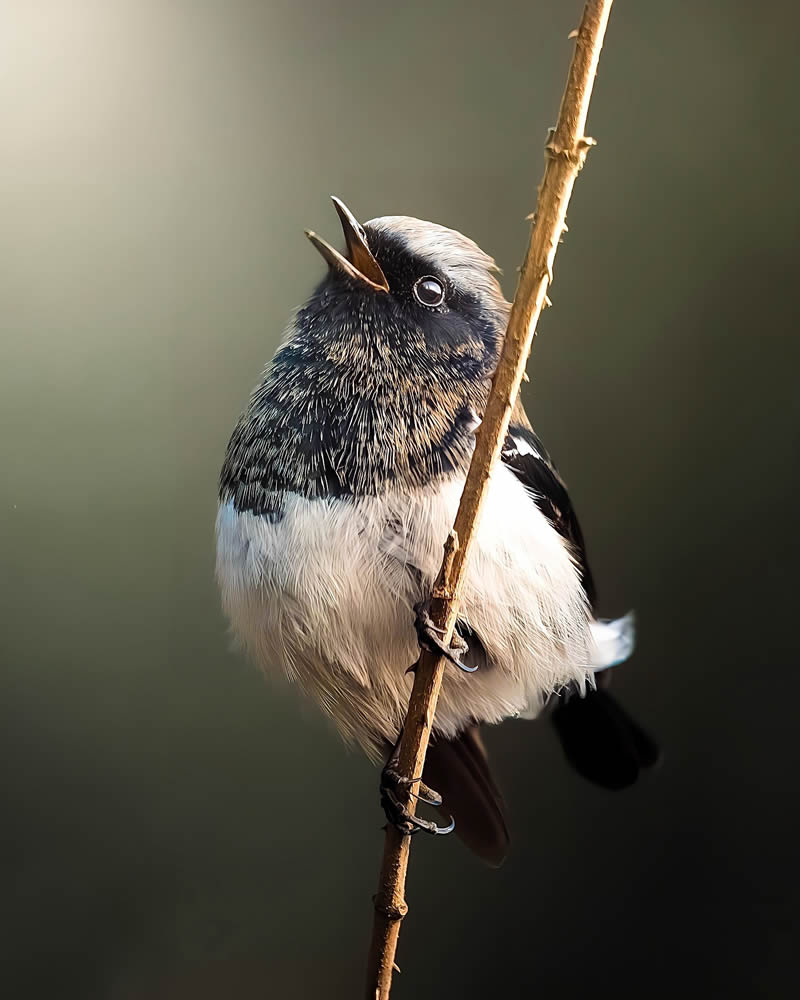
359, 262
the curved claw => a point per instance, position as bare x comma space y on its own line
398, 814
408, 823
428, 639
441, 831
395, 790
390, 780
425, 794
450, 654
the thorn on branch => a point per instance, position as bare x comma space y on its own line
575, 156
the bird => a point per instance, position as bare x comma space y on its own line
339, 486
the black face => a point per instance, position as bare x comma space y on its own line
373, 389
422, 298
412, 280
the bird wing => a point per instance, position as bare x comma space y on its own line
459, 770
600, 740
528, 459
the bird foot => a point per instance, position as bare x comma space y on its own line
428, 636
396, 787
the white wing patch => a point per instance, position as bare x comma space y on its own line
524, 447
614, 641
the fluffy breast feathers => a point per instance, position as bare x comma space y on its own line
324, 592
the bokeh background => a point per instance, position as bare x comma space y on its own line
175, 827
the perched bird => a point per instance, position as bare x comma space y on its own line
339, 487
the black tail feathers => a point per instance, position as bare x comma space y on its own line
601, 741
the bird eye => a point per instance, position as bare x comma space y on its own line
429, 291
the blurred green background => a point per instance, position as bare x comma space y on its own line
175, 827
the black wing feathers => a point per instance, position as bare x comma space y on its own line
526, 456
600, 740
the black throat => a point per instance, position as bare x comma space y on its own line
359, 401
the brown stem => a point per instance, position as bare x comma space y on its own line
565, 153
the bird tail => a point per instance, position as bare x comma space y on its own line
599, 739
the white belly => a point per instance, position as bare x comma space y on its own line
326, 595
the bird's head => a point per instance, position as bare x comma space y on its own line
413, 281
381, 374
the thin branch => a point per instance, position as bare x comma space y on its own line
565, 153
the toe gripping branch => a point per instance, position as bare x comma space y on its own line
431, 638
394, 789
